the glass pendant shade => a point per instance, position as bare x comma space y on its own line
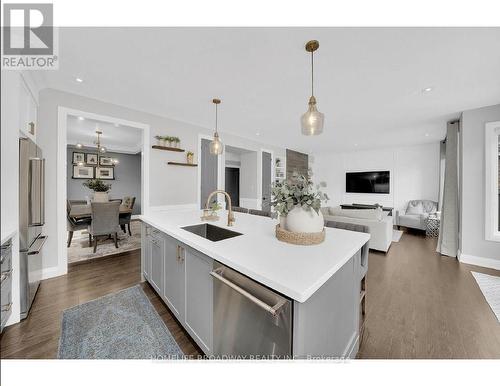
216, 146
312, 120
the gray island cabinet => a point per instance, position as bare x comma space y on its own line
181, 277
326, 324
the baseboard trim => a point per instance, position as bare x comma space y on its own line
479, 261
49, 273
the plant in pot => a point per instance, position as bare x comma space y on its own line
189, 157
159, 140
176, 141
100, 189
298, 203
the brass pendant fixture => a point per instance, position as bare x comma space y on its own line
216, 146
312, 120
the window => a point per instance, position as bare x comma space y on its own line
492, 188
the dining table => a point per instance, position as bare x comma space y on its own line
82, 211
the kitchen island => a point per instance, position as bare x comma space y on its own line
320, 282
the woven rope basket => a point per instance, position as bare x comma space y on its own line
300, 238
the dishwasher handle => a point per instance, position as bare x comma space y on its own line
273, 310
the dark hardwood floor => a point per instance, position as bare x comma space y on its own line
424, 305
38, 335
419, 305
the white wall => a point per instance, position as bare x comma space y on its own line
414, 174
475, 249
169, 185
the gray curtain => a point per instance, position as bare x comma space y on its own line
448, 231
442, 168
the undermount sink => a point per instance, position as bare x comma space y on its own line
211, 232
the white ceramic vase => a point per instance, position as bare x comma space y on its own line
282, 222
101, 197
304, 221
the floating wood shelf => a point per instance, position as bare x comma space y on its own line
168, 148
182, 164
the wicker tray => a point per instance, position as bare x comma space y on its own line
300, 238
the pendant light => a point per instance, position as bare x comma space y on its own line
312, 120
216, 146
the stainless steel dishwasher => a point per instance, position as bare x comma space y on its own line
250, 320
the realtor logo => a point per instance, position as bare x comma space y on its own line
28, 37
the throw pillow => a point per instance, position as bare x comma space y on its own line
418, 208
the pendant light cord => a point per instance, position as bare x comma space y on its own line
216, 117
312, 73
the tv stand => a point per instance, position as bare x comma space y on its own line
366, 206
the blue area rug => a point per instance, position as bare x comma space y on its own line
123, 325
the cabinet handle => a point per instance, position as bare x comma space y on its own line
31, 127
180, 259
5, 275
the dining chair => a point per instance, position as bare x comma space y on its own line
74, 224
125, 218
105, 221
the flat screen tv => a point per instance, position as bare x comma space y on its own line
367, 182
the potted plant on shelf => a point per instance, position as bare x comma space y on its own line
189, 156
298, 203
176, 141
159, 140
100, 189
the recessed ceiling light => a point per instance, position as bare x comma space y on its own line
79, 80
426, 134
257, 134
355, 144
81, 118
427, 89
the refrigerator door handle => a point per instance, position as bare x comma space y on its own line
36, 186
40, 240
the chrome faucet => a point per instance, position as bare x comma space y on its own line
230, 216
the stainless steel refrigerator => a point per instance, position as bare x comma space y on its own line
31, 220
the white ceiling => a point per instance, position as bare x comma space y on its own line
368, 80
118, 138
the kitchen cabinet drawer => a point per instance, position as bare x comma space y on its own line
157, 250
6, 297
146, 251
6, 256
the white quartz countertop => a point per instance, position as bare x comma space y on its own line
294, 270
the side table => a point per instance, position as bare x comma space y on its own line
432, 226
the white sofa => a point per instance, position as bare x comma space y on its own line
378, 222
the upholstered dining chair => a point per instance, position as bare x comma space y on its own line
125, 218
105, 221
74, 224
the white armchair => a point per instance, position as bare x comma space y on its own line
415, 214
